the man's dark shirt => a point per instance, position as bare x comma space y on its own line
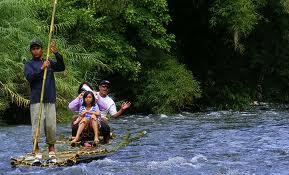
34, 75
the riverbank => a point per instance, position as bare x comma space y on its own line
17, 115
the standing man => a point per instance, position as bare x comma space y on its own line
34, 70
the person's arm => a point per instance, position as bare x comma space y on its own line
82, 112
101, 104
96, 113
59, 65
77, 120
31, 74
74, 105
124, 106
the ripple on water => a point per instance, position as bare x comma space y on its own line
271, 113
248, 114
2, 136
75, 170
29, 171
174, 162
219, 113
163, 116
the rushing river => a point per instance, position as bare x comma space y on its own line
222, 142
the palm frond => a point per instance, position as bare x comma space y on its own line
14, 96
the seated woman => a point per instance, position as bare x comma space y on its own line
87, 133
89, 114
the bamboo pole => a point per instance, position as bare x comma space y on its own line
37, 131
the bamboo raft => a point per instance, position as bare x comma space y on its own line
68, 156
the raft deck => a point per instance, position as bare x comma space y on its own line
68, 156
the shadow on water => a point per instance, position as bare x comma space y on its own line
215, 142
16, 115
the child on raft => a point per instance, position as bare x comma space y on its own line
89, 113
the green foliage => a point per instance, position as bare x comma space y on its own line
229, 76
228, 97
98, 38
149, 18
116, 30
168, 87
128, 42
19, 25
238, 16
16, 28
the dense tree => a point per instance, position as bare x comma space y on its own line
99, 39
236, 49
159, 54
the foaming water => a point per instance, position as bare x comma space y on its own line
215, 142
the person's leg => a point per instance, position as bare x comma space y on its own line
34, 115
95, 126
105, 131
88, 132
81, 126
50, 125
74, 127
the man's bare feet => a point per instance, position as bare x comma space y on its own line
51, 148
